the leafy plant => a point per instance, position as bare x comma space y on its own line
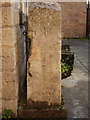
7, 114
64, 67
67, 60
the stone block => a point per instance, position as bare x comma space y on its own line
6, 4
7, 16
0, 82
0, 92
0, 3
46, 114
8, 60
15, 4
10, 16
43, 83
17, 53
10, 84
11, 76
16, 16
0, 62
10, 104
0, 17
0, 108
0, 40
9, 90
7, 51
8, 36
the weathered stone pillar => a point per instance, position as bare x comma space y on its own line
44, 74
0, 62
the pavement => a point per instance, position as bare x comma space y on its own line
75, 87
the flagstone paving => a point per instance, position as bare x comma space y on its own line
75, 87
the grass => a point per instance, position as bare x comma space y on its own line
78, 38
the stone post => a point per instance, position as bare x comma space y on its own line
44, 72
0, 62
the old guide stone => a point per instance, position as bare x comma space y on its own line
44, 75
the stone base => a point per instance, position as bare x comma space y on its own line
43, 113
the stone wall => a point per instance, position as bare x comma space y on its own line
43, 83
12, 54
73, 17
43, 72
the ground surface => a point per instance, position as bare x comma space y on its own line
75, 87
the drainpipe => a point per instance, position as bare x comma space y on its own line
87, 33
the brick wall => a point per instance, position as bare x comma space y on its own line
73, 19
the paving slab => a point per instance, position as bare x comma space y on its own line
79, 67
80, 47
75, 87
